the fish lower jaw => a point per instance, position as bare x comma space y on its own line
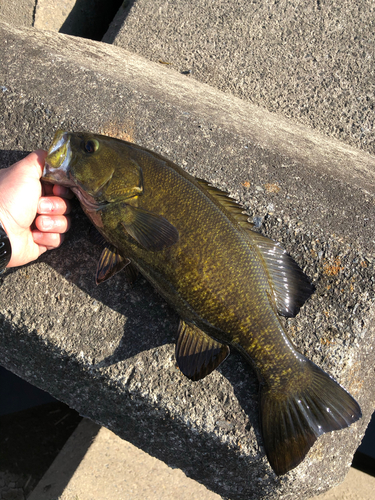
56, 176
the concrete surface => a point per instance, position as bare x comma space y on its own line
113, 468
108, 351
18, 13
84, 18
310, 60
51, 15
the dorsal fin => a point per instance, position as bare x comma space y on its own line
290, 285
222, 198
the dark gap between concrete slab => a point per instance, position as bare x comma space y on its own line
91, 18
34, 12
30, 440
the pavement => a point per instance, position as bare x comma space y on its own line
310, 61
115, 469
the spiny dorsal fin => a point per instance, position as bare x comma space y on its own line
150, 230
197, 354
223, 199
290, 285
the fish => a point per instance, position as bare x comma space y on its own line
229, 284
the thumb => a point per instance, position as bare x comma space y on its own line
33, 163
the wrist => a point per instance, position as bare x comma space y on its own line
5, 249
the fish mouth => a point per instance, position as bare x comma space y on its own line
57, 163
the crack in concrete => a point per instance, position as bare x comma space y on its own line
34, 13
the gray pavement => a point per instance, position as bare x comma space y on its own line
312, 61
49, 16
83, 18
115, 469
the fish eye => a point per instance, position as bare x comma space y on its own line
91, 146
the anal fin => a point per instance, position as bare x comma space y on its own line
197, 354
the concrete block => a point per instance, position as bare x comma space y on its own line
113, 468
108, 351
18, 13
84, 18
50, 15
311, 61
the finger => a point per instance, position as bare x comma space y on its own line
47, 189
48, 240
53, 205
56, 224
57, 190
62, 191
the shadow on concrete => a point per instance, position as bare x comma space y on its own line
31, 439
145, 426
91, 18
151, 323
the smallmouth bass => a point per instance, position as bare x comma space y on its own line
228, 284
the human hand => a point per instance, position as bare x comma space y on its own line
33, 214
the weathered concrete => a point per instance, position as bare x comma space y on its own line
84, 18
108, 351
113, 468
18, 13
51, 16
310, 60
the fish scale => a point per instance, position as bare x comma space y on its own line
228, 284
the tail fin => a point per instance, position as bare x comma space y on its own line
292, 422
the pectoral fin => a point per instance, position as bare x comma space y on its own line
150, 230
110, 263
197, 354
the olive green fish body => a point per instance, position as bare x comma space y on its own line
227, 283
214, 278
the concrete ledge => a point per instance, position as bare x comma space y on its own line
20, 13
311, 61
108, 351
